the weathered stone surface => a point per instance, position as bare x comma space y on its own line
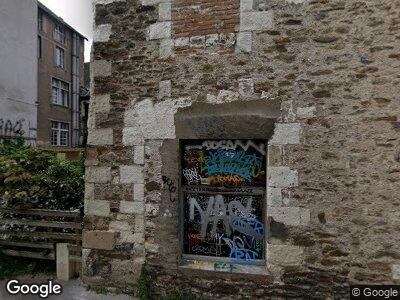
100, 137
332, 163
138, 192
285, 134
102, 33
153, 2
166, 48
246, 5
295, 216
100, 103
244, 41
97, 239
131, 207
281, 177
100, 68
138, 157
396, 272
164, 89
285, 255
256, 20
97, 208
164, 11
160, 30
131, 174
98, 174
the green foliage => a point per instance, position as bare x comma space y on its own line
34, 178
11, 267
99, 289
144, 285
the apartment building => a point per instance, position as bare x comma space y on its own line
18, 70
60, 77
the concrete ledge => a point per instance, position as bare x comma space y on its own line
97, 239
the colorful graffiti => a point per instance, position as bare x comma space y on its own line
224, 226
224, 163
223, 214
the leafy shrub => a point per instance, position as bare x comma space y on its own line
34, 178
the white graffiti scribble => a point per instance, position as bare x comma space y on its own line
229, 145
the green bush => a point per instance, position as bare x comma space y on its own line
34, 178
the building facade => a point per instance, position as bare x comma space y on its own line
243, 149
18, 70
60, 77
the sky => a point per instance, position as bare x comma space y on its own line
78, 14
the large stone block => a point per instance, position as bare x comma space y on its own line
138, 192
160, 30
396, 272
166, 48
132, 136
120, 226
274, 196
164, 89
285, 255
100, 68
281, 177
246, 5
164, 11
95, 2
131, 207
153, 2
131, 174
100, 103
293, 216
100, 137
244, 41
97, 208
286, 133
98, 239
138, 155
102, 33
98, 174
256, 20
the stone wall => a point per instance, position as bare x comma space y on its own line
318, 79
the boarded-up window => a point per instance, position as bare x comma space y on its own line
223, 192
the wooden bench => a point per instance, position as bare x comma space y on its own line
43, 234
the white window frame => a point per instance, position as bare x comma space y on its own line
59, 57
59, 92
59, 134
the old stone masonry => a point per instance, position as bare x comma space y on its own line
244, 149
